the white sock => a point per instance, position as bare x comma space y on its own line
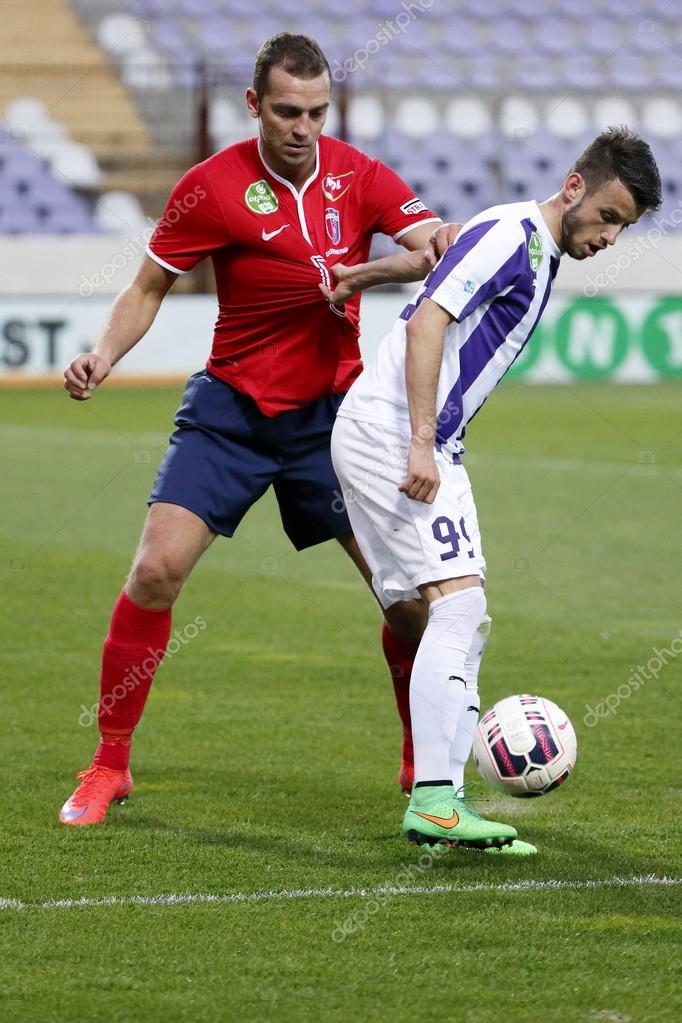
464, 737
437, 686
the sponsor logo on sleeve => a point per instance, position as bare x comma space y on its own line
468, 286
260, 198
413, 206
535, 251
336, 185
332, 222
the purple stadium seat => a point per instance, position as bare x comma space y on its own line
463, 39
629, 72
483, 73
553, 36
535, 73
29, 195
669, 72
650, 37
582, 73
512, 37
600, 38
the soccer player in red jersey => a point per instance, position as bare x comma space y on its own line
274, 214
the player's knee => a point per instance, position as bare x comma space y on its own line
155, 579
407, 619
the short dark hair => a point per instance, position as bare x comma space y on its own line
299, 55
621, 153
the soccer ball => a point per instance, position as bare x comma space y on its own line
525, 746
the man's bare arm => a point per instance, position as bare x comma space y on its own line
131, 316
425, 247
423, 357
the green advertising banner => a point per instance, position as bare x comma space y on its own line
629, 339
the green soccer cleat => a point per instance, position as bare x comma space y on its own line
515, 848
436, 816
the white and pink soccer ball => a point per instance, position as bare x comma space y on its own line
525, 746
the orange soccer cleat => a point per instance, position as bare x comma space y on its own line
99, 786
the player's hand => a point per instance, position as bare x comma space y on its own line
344, 289
83, 375
422, 480
441, 240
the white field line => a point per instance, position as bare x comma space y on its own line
340, 893
64, 435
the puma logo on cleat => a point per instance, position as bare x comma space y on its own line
443, 822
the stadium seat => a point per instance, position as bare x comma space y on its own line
519, 116
77, 165
120, 34
468, 117
614, 110
567, 118
24, 113
120, 213
416, 117
662, 116
365, 118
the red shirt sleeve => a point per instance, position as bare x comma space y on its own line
390, 204
192, 225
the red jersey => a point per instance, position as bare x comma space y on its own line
276, 338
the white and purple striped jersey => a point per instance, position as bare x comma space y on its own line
495, 281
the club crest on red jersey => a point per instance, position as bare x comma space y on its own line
336, 185
332, 222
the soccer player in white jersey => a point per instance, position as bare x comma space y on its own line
397, 444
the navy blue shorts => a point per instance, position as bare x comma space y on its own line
225, 454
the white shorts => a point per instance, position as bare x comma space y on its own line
406, 543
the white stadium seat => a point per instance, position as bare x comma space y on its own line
120, 213
120, 34
519, 117
662, 116
365, 117
76, 164
467, 117
416, 117
24, 113
613, 110
567, 119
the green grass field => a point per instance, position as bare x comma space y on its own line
266, 762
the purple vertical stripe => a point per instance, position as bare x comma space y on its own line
515, 267
497, 323
554, 266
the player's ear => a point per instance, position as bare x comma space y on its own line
252, 104
574, 188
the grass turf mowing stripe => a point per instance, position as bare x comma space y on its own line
339, 893
113, 438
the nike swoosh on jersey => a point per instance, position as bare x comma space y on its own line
267, 235
444, 822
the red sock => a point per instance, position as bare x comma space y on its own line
400, 655
134, 647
